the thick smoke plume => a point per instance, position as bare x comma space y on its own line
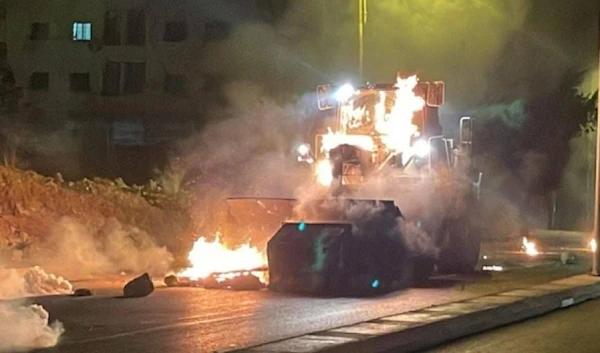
76, 250
247, 151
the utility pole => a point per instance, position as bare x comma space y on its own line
596, 259
362, 20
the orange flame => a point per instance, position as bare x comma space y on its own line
530, 247
210, 257
396, 127
324, 172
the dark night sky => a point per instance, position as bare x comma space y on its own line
471, 44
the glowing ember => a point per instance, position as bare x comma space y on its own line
210, 257
529, 247
593, 245
324, 172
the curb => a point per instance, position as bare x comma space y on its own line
429, 327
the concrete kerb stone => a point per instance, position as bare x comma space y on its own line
432, 326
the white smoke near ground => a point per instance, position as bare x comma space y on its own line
32, 282
24, 327
78, 251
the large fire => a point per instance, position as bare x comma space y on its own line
392, 127
214, 257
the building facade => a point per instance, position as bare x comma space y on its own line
129, 68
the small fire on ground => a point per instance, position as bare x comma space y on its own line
215, 260
529, 247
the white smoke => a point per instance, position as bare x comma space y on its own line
33, 282
24, 328
77, 251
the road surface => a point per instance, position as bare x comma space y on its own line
198, 320
574, 329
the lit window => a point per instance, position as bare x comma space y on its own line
82, 31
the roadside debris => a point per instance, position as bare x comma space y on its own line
240, 281
172, 281
82, 292
138, 287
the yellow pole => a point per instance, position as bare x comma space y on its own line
362, 19
596, 258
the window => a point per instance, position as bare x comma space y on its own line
82, 31
135, 77
80, 82
39, 81
136, 27
2, 10
112, 79
175, 84
3, 51
112, 26
175, 31
216, 30
124, 78
40, 31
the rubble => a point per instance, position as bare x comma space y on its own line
82, 292
244, 283
172, 281
141, 286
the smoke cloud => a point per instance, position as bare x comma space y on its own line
24, 327
247, 151
492, 52
35, 281
77, 251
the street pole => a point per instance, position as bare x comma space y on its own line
596, 259
362, 19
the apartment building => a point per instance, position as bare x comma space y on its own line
131, 67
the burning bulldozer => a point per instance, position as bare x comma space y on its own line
349, 244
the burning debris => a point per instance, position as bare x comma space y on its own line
529, 247
208, 258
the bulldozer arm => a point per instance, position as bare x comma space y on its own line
259, 218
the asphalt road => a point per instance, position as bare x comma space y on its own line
198, 320
574, 329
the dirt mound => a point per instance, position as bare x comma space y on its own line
32, 204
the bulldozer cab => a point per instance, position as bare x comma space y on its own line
356, 108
